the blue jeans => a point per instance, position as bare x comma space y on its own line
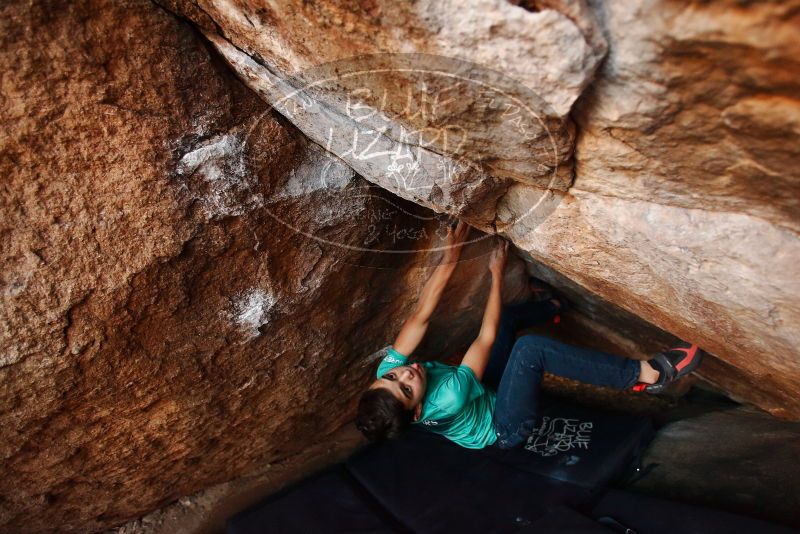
516, 366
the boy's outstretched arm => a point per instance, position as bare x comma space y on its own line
414, 328
477, 356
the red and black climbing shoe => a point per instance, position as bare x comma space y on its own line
541, 291
562, 305
672, 365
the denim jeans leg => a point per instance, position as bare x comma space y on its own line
513, 317
517, 402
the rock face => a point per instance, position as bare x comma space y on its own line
683, 205
488, 119
178, 267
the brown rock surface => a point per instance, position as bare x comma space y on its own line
499, 81
164, 327
697, 106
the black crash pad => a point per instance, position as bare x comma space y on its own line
432, 485
329, 501
428, 484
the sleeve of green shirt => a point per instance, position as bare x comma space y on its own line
390, 361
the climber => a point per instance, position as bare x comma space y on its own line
491, 398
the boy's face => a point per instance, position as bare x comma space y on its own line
407, 383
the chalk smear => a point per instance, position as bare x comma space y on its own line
318, 171
251, 310
216, 173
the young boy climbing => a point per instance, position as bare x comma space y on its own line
491, 398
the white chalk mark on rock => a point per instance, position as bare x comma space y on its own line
216, 174
319, 171
251, 310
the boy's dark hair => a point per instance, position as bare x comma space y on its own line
381, 416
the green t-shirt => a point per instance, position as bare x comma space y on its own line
455, 405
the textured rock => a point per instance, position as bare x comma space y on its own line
697, 107
684, 205
178, 267
447, 104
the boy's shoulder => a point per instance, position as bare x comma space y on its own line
455, 386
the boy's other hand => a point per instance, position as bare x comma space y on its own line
455, 242
497, 261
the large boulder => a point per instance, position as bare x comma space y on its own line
498, 82
190, 286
